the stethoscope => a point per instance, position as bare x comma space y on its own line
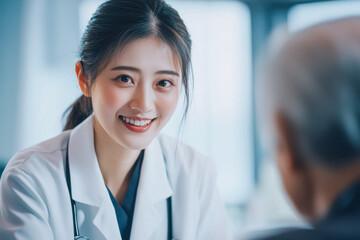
77, 235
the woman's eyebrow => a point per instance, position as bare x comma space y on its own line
169, 72
125, 68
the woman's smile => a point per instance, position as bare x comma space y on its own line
136, 124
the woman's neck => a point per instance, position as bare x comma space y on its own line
115, 161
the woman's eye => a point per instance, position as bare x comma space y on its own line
124, 79
164, 83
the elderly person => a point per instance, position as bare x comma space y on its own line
309, 114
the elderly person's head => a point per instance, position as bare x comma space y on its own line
308, 100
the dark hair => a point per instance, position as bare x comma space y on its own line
118, 22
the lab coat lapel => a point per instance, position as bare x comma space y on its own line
87, 183
105, 220
153, 187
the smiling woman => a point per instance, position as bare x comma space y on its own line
141, 83
110, 174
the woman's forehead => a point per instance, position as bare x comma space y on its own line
147, 52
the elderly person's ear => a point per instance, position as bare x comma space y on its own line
293, 169
285, 146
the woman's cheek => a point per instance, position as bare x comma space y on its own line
168, 103
112, 97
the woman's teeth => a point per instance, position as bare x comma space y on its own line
135, 122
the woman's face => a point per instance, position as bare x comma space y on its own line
136, 94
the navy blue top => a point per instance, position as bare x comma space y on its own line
125, 213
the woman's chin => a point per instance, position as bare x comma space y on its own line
135, 142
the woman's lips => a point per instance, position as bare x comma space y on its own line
137, 125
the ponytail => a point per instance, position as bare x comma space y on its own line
79, 111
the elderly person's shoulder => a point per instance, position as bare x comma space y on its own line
315, 234
301, 234
341, 222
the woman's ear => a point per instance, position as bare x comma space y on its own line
82, 79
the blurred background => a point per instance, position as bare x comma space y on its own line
39, 47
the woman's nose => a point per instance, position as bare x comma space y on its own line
142, 100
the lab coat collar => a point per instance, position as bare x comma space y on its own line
88, 185
153, 187
154, 180
85, 170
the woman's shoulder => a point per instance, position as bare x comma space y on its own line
39, 156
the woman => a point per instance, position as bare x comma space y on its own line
110, 175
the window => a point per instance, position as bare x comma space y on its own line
219, 121
304, 15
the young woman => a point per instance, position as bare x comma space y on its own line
110, 175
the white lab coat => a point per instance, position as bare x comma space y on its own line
35, 203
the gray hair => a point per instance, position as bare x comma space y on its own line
313, 79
